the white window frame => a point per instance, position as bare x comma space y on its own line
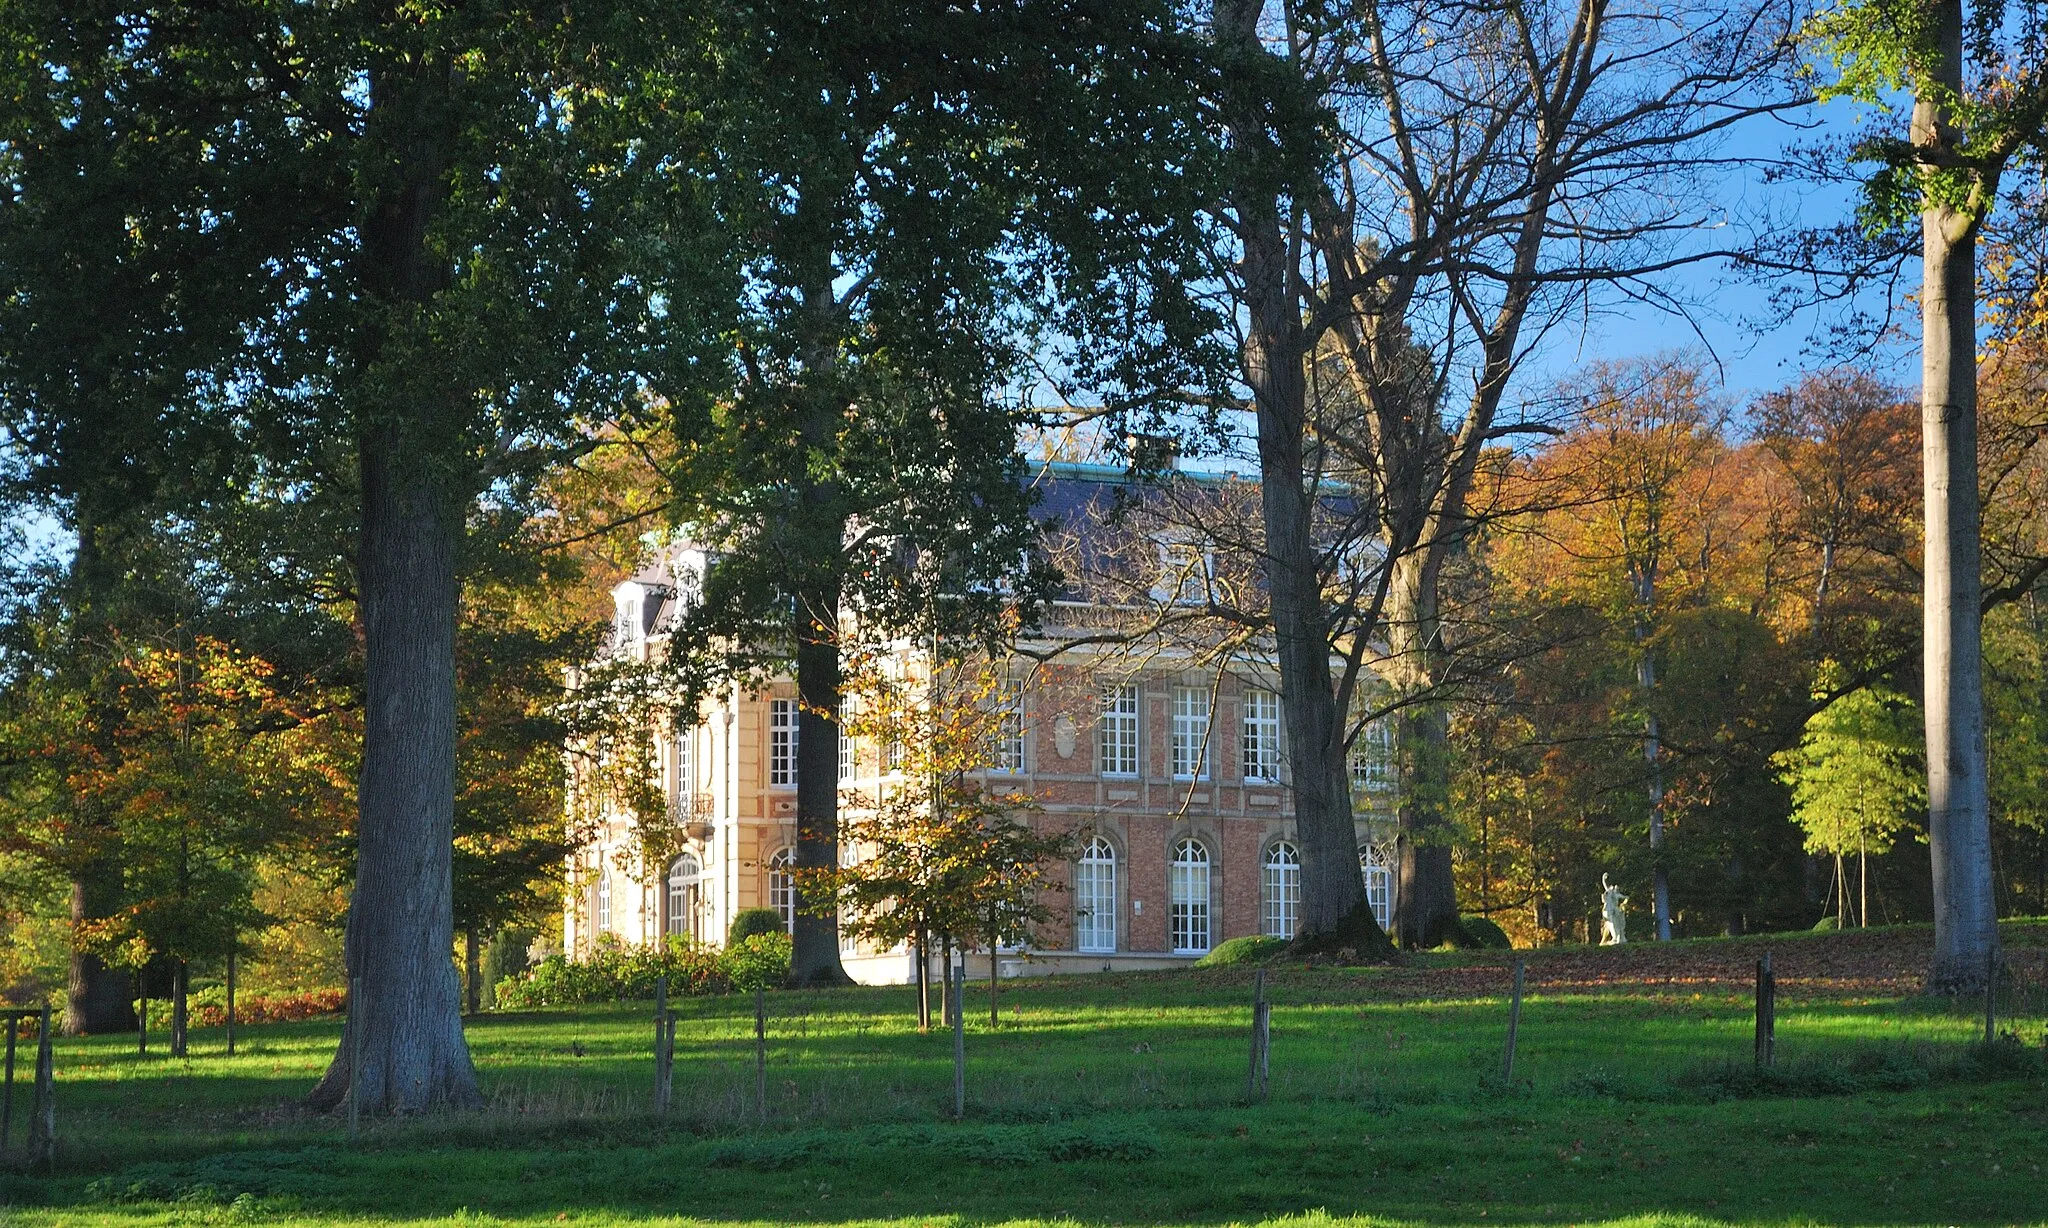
1280, 891
1187, 572
604, 903
782, 886
849, 761
847, 944
626, 632
685, 762
1261, 741
1095, 908
1372, 757
685, 897
1187, 894
1190, 741
1116, 727
782, 739
1009, 747
1379, 882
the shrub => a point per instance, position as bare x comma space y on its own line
208, 1007
1251, 949
1485, 934
1824, 925
616, 973
758, 961
752, 921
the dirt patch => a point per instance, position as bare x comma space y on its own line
1878, 963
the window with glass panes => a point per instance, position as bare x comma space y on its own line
1187, 898
685, 896
1372, 757
1187, 573
1009, 748
1379, 882
1261, 736
846, 763
782, 887
1190, 733
1095, 897
1117, 731
685, 780
782, 743
1280, 891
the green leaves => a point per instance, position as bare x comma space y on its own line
1857, 776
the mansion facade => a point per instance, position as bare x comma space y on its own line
1172, 775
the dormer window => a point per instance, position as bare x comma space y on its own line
1187, 572
626, 619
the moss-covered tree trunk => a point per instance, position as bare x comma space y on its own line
1425, 895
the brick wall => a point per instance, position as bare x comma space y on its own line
1242, 839
1145, 841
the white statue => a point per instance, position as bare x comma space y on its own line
1613, 921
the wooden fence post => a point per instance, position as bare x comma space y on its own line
7, 1096
1507, 1065
43, 1124
181, 980
668, 1063
1262, 1036
761, 1052
354, 1023
1991, 995
958, 979
660, 1035
1766, 1012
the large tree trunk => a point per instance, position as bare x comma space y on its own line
97, 1000
1958, 791
401, 918
814, 959
400, 940
1332, 885
1426, 893
820, 529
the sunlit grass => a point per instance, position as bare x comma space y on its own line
1380, 1109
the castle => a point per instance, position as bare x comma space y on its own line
1170, 766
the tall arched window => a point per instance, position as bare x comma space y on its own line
782, 888
1187, 892
1280, 891
685, 896
1095, 897
1379, 882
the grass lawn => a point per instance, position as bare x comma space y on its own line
1121, 1099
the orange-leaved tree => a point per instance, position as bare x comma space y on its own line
939, 850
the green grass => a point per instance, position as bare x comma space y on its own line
1114, 1099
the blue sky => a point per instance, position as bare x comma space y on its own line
1758, 348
